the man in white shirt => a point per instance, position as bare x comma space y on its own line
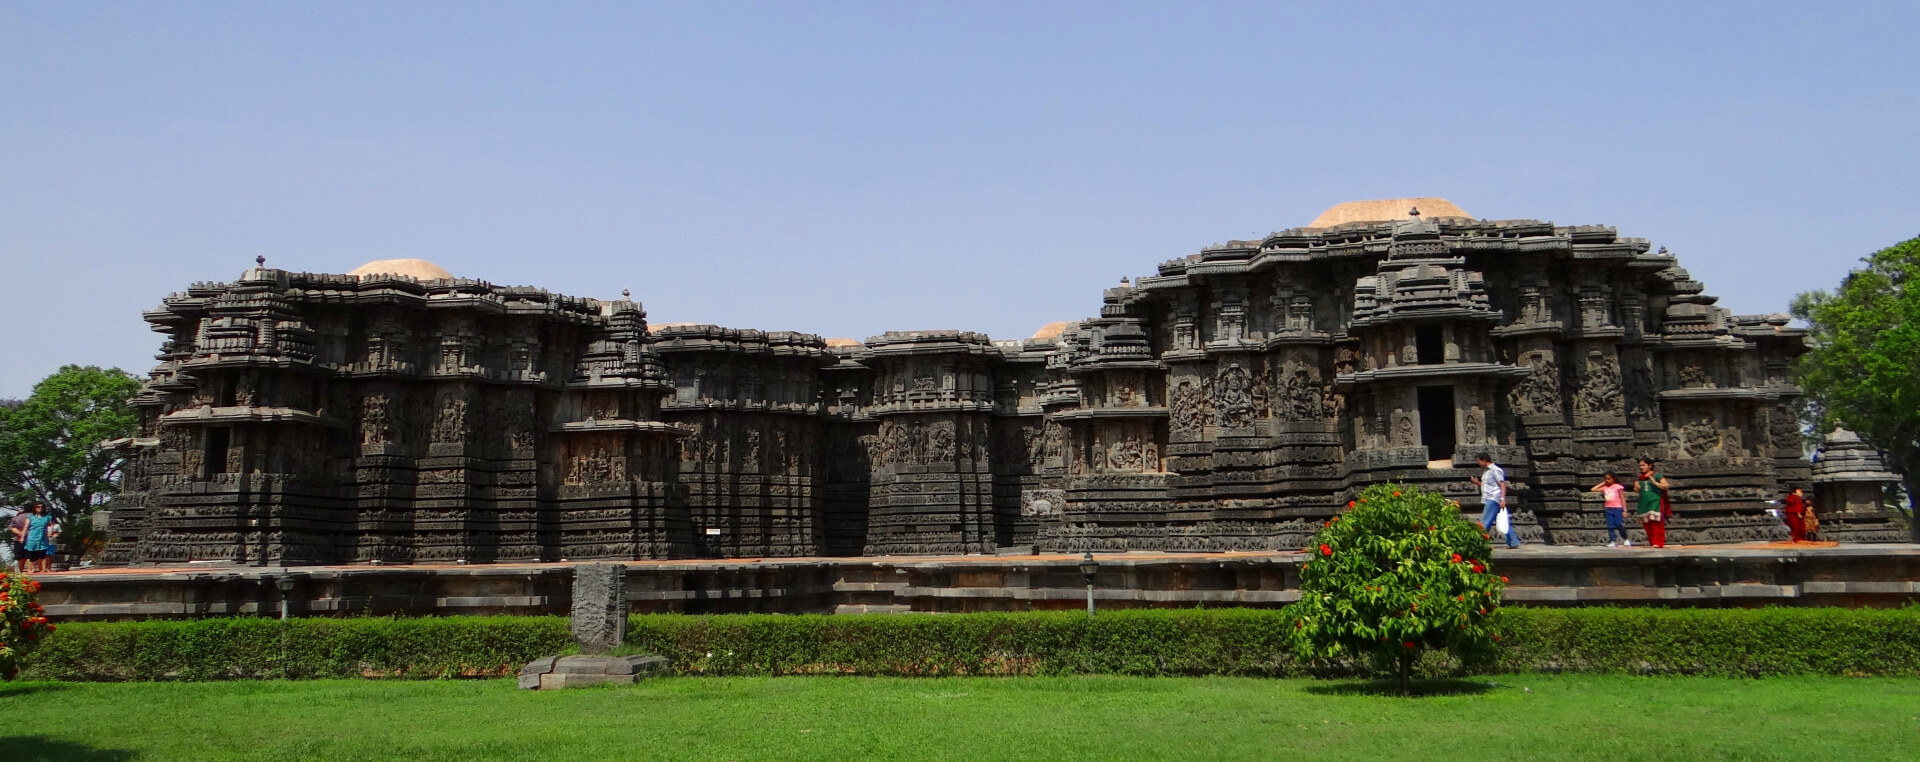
1493, 496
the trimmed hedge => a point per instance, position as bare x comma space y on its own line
1884, 642
222, 649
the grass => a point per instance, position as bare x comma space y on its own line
1532, 717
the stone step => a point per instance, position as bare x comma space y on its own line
872, 608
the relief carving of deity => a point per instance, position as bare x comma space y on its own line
1187, 407
1124, 455
940, 443
1699, 438
1473, 427
1783, 427
246, 391
1304, 400
1125, 392
520, 433
1692, 376
376, 420
1539, 392
1405, 434
719, 451
693, 444
1599, 387
1233, 398
450, 423
1343, 360
1262, 393
916, 449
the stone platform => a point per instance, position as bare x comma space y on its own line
580, 669
1821, 574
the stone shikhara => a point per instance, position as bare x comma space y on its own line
1231, 400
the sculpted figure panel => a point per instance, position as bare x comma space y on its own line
1233, 398
1539, 392
450, 424
376, 419
1599, 387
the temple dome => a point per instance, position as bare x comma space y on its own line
1052, 330
1384, 210
418, 269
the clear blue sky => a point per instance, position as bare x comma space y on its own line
845, 169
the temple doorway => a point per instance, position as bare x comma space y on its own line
1437, 424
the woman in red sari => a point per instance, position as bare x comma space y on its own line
1796, 513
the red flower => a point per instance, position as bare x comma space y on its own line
1503, 579
1349, 503
1325, 550
1478, 568
1396, 494
1460, 598
1408, 644
1456, 558
1496, 637
1483, 611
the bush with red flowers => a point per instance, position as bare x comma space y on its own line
1399, 573
22, 622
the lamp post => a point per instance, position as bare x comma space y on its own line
1088, 568
285, 583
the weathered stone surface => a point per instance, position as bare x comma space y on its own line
599, 607
1223, 402
574, 671
1876, 575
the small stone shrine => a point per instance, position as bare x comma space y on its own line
1232, 400
1850, 485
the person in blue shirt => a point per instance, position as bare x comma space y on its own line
36, 536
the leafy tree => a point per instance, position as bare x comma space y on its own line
1863, 372
50, 444
1400, 572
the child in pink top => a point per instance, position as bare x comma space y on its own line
1616, 495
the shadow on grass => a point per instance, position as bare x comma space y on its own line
1421, 688
12, 690
38, 748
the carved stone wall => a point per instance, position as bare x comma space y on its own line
1232, 399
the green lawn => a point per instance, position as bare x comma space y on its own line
1614, 718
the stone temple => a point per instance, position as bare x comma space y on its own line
1232, 400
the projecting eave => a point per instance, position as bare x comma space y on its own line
1432, 372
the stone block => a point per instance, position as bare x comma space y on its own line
599, 607
574, 671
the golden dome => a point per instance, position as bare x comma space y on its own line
1383, 210
417, 269
1052, 330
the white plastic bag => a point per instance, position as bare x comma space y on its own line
1501, 522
